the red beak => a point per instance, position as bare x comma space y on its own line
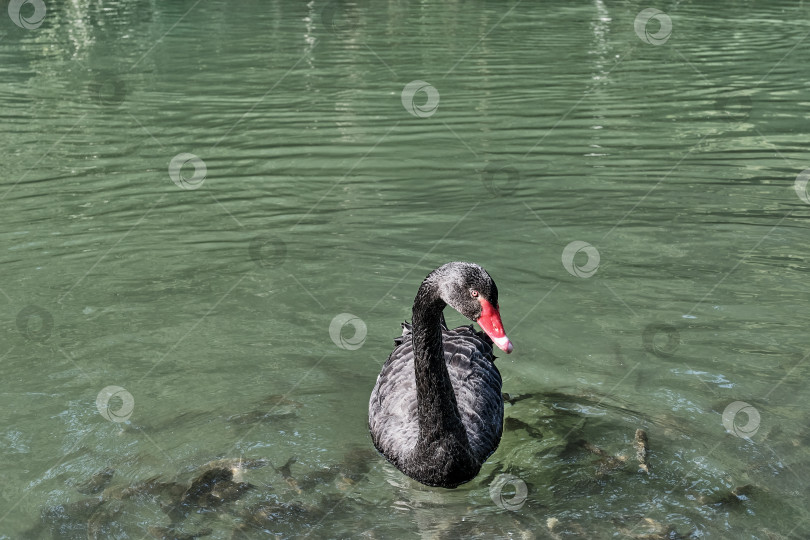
490, 322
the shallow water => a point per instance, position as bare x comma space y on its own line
671, 152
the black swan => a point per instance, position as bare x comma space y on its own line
436, 412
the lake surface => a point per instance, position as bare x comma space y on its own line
216, 215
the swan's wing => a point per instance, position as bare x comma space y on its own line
392, 417
477, 384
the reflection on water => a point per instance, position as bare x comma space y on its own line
218, 214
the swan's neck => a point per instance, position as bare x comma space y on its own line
439, 419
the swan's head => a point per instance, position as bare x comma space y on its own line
468, 288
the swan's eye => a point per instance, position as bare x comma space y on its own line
474, 293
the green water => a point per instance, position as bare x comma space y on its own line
674, 152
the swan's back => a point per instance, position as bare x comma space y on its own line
476, 381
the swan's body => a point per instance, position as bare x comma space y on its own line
436, 412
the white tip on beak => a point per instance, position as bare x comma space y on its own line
503, 343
